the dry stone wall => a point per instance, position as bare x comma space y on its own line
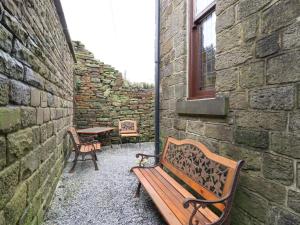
36, 107
103, 97
257, 62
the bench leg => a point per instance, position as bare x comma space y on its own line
94, 160
138, 190
74, 162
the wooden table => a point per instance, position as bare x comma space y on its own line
97, 131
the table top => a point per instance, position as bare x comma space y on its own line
95, 130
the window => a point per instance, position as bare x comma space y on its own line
202, 74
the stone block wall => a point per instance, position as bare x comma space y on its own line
103, 97
257, 62
36, 107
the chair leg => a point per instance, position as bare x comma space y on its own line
139, 141
94, 160
74, 162
138, 190
121, 141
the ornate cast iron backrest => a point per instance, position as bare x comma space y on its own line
207, 173
127, 126
72, 131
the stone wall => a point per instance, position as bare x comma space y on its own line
257, 62
103, 97
36, 89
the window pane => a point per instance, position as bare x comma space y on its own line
208, 49
201, 5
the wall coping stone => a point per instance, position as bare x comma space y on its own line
209, 107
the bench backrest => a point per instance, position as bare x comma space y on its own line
205, 172
73, 133
127, 126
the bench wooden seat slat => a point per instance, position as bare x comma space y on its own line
161, 205
178, 198
206, 211
211, 176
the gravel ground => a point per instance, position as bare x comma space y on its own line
106, 196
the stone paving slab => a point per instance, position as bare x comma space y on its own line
103, 197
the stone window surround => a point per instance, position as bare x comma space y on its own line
200, 107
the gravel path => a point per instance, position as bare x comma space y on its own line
103, 197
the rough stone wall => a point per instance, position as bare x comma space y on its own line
257, 62
103, 97
36, 107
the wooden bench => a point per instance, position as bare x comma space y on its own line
211, 176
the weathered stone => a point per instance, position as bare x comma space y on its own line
10, 66
252, 204
278, 168
34, 79
248, 7
44, 99
232, 58
252, 159
180, 91
280, 14
222, 5
268, 189
286, 144
196, 127
294, 123
36, 138
35, 97
51, 100
226, 80
2, 218
238, 216
291, 36
238, 100
33, 184
252, 75
264, 120
19, 143
225, 19
279, 98
28, 116
10, 119
267, 45
43, 130
4, 90
50, 129
219, 132
2, 152
8, 183
252, 138
298, 175
29, 164
15, 26
180, 124
5, 39
14, 209
39, 116
294, 200
288, 218
298, 96
46, 114
250, 27
229, 39
19, 93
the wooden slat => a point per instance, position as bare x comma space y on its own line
161, 205
206, 212
176, 197
167, 197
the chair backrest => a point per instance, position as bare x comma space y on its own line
73, 133
207, 173
127, 126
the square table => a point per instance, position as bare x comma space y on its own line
98, 131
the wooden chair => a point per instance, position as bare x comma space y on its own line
211, 176
128, 129
83, 148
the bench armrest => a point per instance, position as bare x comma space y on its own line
146, 156
201, 203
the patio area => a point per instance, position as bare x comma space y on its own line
106, 196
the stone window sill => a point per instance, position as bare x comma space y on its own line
206, 107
